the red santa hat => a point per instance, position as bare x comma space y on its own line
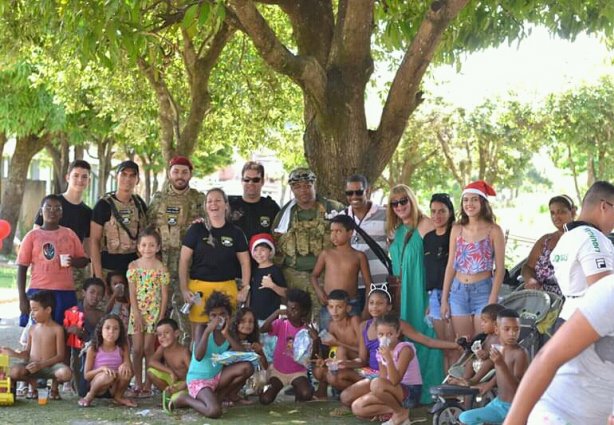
480, 187
261, 238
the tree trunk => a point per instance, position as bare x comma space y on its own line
12, 196
147, 172
79, 152
332, 67
105, 154
3, 139
60, 155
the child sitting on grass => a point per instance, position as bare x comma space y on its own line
45, 349
399, 384
285, 370
343, 336
209, 382
107, 363
169, 364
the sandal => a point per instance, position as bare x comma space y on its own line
166, 403
32, 395
84, 402
340, 411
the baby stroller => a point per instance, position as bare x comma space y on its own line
538, 310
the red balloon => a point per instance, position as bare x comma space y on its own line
5, 229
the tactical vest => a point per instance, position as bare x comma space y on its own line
305, 237
174, 213
122, 229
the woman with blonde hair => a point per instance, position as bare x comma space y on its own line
406, 225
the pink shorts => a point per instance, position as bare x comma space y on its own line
196, 385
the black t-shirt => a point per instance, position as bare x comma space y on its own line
101, 214
219, 263
265, 301
253, 218
75, 217
436, 252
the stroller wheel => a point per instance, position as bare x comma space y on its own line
449, 415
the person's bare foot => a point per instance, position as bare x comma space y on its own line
321, 393
124, 402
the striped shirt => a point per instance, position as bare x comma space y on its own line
374, 225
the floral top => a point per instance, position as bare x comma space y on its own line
149, 284
544, 270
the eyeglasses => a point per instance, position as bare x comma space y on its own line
251, 179
358, 192
48, 208
402, 202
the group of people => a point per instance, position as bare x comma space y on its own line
382, 292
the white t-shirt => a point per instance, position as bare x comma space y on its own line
581, 252
582, 390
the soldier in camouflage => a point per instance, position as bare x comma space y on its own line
302, 231
171, 212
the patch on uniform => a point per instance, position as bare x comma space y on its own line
600, 263
604, 348
171, 215
236, 215
126, 216
227, 241
265, 221
49, 250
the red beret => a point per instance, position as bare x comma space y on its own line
180, 160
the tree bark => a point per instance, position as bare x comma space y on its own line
3, 140
332, 67
59, 153
104, 148
12, 196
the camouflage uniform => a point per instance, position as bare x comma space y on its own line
171, 213
308, 234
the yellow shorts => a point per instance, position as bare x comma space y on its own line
197, 312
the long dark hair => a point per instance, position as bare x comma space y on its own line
444, 198
122, 339
255, 335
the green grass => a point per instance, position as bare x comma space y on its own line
279, 413
8, 277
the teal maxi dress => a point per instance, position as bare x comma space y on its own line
414, 302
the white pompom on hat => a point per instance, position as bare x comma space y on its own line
480, 187
261, 238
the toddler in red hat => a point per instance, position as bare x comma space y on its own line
267, 286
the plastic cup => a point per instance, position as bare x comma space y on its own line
43, 396
333, 366
65, 260
498, 347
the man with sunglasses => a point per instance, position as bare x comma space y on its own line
252, 212
171, 212
584, 254
302, 231
371, 218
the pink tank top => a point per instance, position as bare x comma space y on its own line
110, 359
412, 375
473, 257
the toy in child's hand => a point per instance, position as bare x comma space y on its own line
73, 317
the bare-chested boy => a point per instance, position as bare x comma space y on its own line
343, 338
510, 361
168, 366
341, 265
44, 352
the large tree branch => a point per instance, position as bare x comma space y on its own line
445, 147
304, 71
402, 97
351, 48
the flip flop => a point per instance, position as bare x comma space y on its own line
166, 402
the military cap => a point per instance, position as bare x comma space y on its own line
301, 175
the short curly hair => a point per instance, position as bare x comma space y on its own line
300, 297
218, 299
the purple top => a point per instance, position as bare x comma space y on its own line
372, 346
111, 359
412, 374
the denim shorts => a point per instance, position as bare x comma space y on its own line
435, 304
469, 298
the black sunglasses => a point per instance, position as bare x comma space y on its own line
358, 192
251, 179
402, 202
